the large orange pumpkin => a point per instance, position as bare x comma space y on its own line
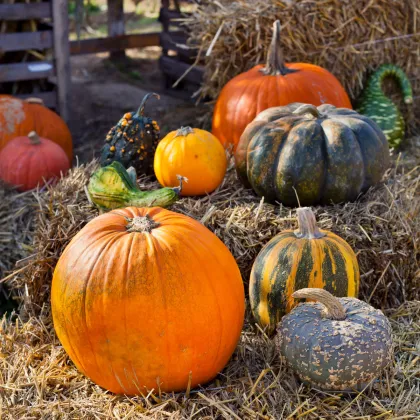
18, 118
28, 161
141, 297
249, 93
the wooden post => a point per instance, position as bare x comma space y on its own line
116, 24
62, 55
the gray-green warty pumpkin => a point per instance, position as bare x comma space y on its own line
302, 154
337, 344
133, 141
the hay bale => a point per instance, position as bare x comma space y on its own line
350, 39
383, 227
38, 379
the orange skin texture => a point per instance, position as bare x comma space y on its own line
134, 310
249, 93
18, 118
26, 165
198, 156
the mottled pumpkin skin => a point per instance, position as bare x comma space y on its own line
18, 118
26, 165
326, 159
288, 263
132, 142
336, 354
135, 310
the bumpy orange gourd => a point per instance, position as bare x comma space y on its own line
26, 162
141, 297
196, 155
18, 118
276, 84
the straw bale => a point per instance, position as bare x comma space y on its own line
37, 379
383, 227
348, 38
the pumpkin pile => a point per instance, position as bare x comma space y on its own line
146, 298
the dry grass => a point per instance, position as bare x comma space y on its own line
350, 40
37, 380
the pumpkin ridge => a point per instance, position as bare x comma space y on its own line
63, 293
110, 241
234, 117
219, 312
350, 261
155, 246
130, 240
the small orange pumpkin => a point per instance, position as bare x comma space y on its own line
196, 155
18, 118
146, 298
26, 162
276, 84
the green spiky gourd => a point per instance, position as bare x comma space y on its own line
114, 187
133, 141
377, 106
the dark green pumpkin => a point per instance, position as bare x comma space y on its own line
319, 154
337, 344
133, 141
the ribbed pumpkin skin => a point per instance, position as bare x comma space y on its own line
326, 159
26, 165
18, 118
196, 155
287, 264
133, 309
250, 93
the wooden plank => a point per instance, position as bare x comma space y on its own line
168, 41
26, 71
48, 98
172, 16
62, 56
116, 43
116, 24
176, 69
25, 11
22, 41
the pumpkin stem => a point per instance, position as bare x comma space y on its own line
308, 229
308, 109
34, 138
184, 131
179, 188
141, 224
140, 111
333, 307
275, 61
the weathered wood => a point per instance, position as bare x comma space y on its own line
177, 42
116, 43
21, 41
26, 71
62, 56
116, 24
172, 16
21, 11
48, 98
174, 68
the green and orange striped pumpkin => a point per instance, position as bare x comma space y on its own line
293, 260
